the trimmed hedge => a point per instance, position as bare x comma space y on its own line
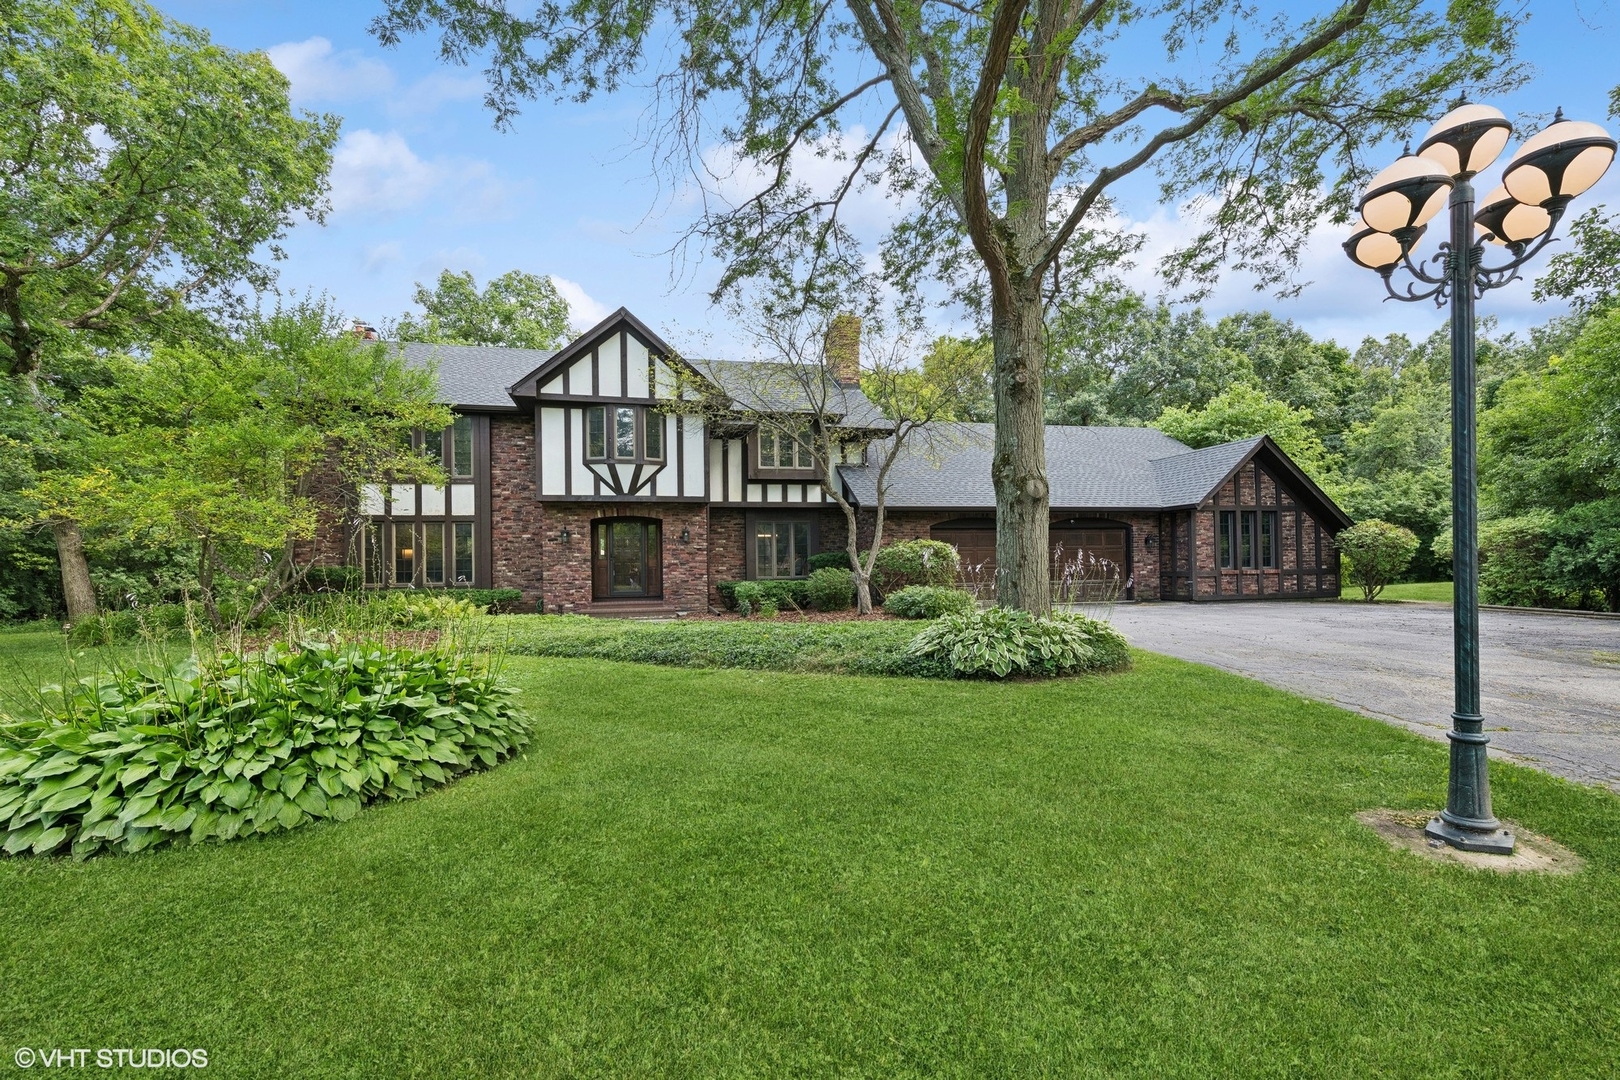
915, 562
786, 594
877, 647
831, 589
836, 560
928, 602
228, 747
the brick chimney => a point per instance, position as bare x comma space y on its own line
364, 330
841, 351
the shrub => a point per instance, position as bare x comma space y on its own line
223, 747
768, 608
928, 602
747, 595
1000, 642
837, 560
1513, 562
496, 600
1585, 555
831, 589
915, 562
128, 624
332, 579
1379, 552
787, 594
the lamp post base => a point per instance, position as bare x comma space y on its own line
1491, 838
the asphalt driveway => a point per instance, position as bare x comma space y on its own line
1550, 683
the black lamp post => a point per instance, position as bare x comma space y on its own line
1550, 169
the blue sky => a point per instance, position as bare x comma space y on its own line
422, 181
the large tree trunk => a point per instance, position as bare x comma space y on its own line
76, 588
1023, 576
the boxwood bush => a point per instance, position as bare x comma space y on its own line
915, 562
928, 602
831, 589
999, 642
221, 747
838, 560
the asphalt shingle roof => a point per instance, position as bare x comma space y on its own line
476, 376
762, 386
1120, 468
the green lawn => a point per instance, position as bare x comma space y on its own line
1407, 590
734, 873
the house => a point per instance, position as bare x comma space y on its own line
573, 479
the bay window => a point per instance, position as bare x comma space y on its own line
623, 433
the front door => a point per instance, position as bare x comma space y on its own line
626, 558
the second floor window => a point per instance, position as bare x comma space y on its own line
452, 447
779, 450
623, 433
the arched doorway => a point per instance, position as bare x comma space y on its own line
627, 558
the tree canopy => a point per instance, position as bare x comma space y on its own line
517, 309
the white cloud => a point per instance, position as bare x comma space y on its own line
374, 173
583, 310
384, 254
317, 73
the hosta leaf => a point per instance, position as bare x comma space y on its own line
290, 816
312, 800
49, 840
344, 808
67, 800
237, 794
353, 779
136, 807
331, 781
292, 783
22, 838
55, 765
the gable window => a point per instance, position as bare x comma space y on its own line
781, 549
623, 433
1248, 539
780, 450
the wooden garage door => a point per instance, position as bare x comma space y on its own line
1086, 562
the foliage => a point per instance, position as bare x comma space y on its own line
854, 647
916, 562
1378, 554
1513, 561
928, 602
1243, 412
228, 746
788, 593
236, 450
1589, 276
998, 642
332, 579
1585, 555
838, 560
518, 310
831, 589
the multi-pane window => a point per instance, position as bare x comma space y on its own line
781, 549
411, 537
1248, 539
623, 433
780, 450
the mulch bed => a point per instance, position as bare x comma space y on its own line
791, 616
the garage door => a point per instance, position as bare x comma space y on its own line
1088, 563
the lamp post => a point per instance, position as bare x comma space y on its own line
1550, 169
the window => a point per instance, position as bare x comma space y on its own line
635, 434
1248, 539
463, 552
433, 554
404, 553
1268, 539
1228, 538
461, 447
778, 450
781, 549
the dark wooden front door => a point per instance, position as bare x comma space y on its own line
627, 559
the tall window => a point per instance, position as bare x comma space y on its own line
781, 549
411, 538
1248, 539
1228, 539
779, 450
623, 433
1268, 539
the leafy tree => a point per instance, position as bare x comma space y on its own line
1513, 561
517, 309
145, 168
1017, 124
1244, 412
1589, 276
1292, 367
239, 452
956, 372
1585, 555
1378, 553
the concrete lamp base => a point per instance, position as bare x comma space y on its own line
1497, 841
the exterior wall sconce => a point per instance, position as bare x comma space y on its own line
1150, 542
686, 536
565, 535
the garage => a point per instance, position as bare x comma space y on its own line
1090, 556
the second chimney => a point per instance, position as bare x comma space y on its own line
842, 349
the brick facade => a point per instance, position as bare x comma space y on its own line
516, 523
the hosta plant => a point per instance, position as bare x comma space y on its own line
999, 642
227, 746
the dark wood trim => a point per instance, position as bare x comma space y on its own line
568, 451
539, 456
761, 475
680, 454
752, 518
483, 505
567, 369
624, 364
725, 470
596, 373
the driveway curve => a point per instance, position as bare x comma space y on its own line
1550, 684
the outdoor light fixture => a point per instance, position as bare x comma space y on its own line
1502, 219
1550, 169
1405, 196
564, 535
1558, 163
686, 536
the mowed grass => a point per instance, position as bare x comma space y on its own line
1407, 590
730, 873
